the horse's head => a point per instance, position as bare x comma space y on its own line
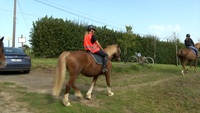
113, 51
197, 45
117, 54
2, 56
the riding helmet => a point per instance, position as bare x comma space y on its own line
91, 27
187, 35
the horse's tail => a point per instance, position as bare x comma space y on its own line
60, 73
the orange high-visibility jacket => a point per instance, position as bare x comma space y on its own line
88, 44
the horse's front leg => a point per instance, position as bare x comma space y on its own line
89, 93
107, 75
183, 70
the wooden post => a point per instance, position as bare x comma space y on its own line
14, 24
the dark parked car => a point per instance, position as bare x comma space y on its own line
16, 60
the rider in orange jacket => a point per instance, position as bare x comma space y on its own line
91, 44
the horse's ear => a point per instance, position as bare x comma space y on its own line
2, 38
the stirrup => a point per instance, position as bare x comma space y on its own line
104, 70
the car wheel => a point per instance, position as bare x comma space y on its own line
27, 71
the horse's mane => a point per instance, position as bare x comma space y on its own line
197, 45
110, 50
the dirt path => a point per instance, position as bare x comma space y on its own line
40, 81
36, 81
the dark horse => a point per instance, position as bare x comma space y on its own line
78, 62
187, 55
2, 56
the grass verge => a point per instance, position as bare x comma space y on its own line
137, 88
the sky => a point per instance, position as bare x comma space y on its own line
160, 18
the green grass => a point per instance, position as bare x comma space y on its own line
43, 62
138, 89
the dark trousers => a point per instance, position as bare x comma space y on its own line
193, 48
104, 55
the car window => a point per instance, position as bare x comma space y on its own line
13, 50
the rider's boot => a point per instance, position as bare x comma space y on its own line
197, 54
104, 69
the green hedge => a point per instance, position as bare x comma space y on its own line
50, 36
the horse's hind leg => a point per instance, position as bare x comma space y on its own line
68, 87
77, 92
88, 94
184, 62
183, 70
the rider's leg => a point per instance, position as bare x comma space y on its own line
197, 52
105, 59
195, 49
104, 64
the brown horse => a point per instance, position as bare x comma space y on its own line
2, 56
187, 55
78, 62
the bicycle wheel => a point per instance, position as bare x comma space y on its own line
149, 61
132, 60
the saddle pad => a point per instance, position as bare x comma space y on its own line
98, 59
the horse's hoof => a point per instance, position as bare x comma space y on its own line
110, 94
182, 72
66, 103
79, 96
89, 97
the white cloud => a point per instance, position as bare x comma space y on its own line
164, 29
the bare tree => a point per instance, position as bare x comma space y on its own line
175, 39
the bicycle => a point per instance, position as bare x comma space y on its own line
139, 59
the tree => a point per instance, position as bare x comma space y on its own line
127, 40
175, 40
27, 49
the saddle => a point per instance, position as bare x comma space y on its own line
97, 58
